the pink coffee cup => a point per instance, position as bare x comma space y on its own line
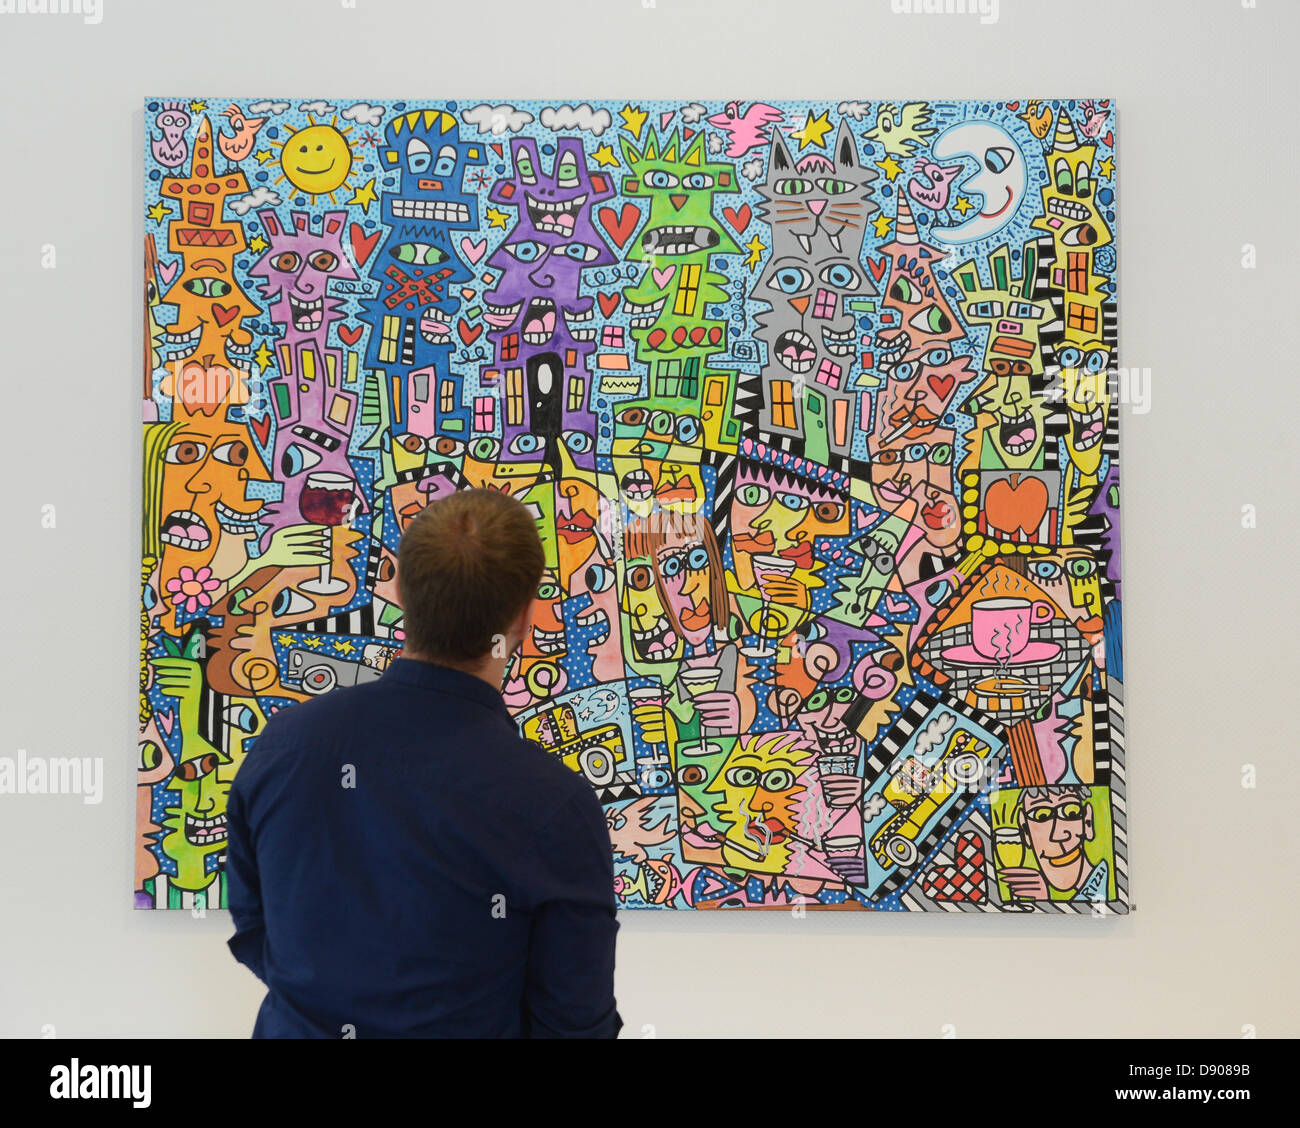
1000, 628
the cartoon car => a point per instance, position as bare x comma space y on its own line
595, 753
319, 673
917, 792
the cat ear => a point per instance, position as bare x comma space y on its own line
781, 161
846, 148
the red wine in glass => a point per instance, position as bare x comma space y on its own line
327, 499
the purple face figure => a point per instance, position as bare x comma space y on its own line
296, 271
540, 328
169, 146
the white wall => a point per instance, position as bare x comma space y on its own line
1206, 92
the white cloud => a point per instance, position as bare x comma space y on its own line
932, 735
265, 107
856, 110
317, 107
258, 197
496, 119
595, 122
752, 169
363, 113
693, 112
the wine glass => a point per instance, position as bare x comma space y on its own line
765, 566
327, 498
655, 696
1009, 847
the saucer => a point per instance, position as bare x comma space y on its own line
1033, 653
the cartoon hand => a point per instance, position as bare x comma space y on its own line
297, 545
1025, 882
719, 710
181, 678
654, 723
842, 790
785, 590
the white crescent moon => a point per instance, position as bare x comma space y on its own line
1000, 179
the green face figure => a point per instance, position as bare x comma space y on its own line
196, 826
1015, 437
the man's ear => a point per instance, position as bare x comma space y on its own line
524, 620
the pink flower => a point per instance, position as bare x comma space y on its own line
189, 591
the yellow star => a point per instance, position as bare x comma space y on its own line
364, 196
605, 156
756, 248
198, 107
962, 205
257, 244
345, 646
497, 218
813, 132
1107, 167
882, 224
314, 643
160, 211
284, 639
263, 356
265, 156
633, 120
890, 167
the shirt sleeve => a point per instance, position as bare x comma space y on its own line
243, 889
569, 985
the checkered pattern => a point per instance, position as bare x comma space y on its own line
965, 881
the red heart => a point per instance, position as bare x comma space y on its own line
609, 303
1110, 138
224, 314
877, 269
261, 428
738, 219
1013, 105
964, 881
467, 333
350, 334
942, 386
620, 227
363, 245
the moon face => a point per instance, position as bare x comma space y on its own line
1000, 179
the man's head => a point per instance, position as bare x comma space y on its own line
467, 572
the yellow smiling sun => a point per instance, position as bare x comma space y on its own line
316, 159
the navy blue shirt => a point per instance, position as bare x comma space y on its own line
403, 863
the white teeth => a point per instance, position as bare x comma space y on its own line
557, 205
835, 242
503, 311
839, 344
232, 521
548, 642
440, 210
571, 317
583, 334
1067, 208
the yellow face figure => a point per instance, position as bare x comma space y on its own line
1070, 211
316, 160
648, 636
1016, 433
1084, 370
1069, 576
759, 787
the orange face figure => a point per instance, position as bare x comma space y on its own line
208, 465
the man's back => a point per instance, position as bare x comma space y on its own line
419, 869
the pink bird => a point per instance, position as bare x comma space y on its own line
1093, 119
934, 195
236, 148
748, 130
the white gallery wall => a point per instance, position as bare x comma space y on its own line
1206, 93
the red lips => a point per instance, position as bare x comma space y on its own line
801, 554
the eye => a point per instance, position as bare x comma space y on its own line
841, 276
698, 180
661, 423
599, 578
287, 261
631, 416
297, 458
931, 320
567, 171
997, 159
418, 155
485, 449
579, 252
1064, 177
150, 756
778, 779
446, 161
828, 511
526, 251
671, 566
1070, 357
742, 776
938, 356
697, 559
660, 178
844, 694
290, 602
790, 280
640, 578
834, 187
233, 453
688, 429
793, 501
149, 597
691, 773
887, 457
903, 371
547, 591
1081, 567
577, 441
185, 452
445, 447
1083, 185
792, 187
524, 163
1098, 359
941, 454
817, 702
525, 444
903, 291
754, 494
916, 452
1084, 235
1046, 570
412, 444
419, 254
324, 261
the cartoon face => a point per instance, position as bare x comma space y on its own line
881, 547
759, 788
1085, 383
168, 142
914, 303
209, 464
999, 178
821, 719
210, 309
809, 332
536, 670
297, 269
648, 634
196, 825
1056, 825
917, 392
819, 194
1069, 197
774, 514
1069, 576
1016, 433
653, 471
688, 568
919, 472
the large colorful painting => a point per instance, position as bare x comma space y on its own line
816, 404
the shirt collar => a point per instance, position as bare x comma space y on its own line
445, 679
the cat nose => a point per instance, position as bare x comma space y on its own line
815, 206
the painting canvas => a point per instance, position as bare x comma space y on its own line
816, 406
